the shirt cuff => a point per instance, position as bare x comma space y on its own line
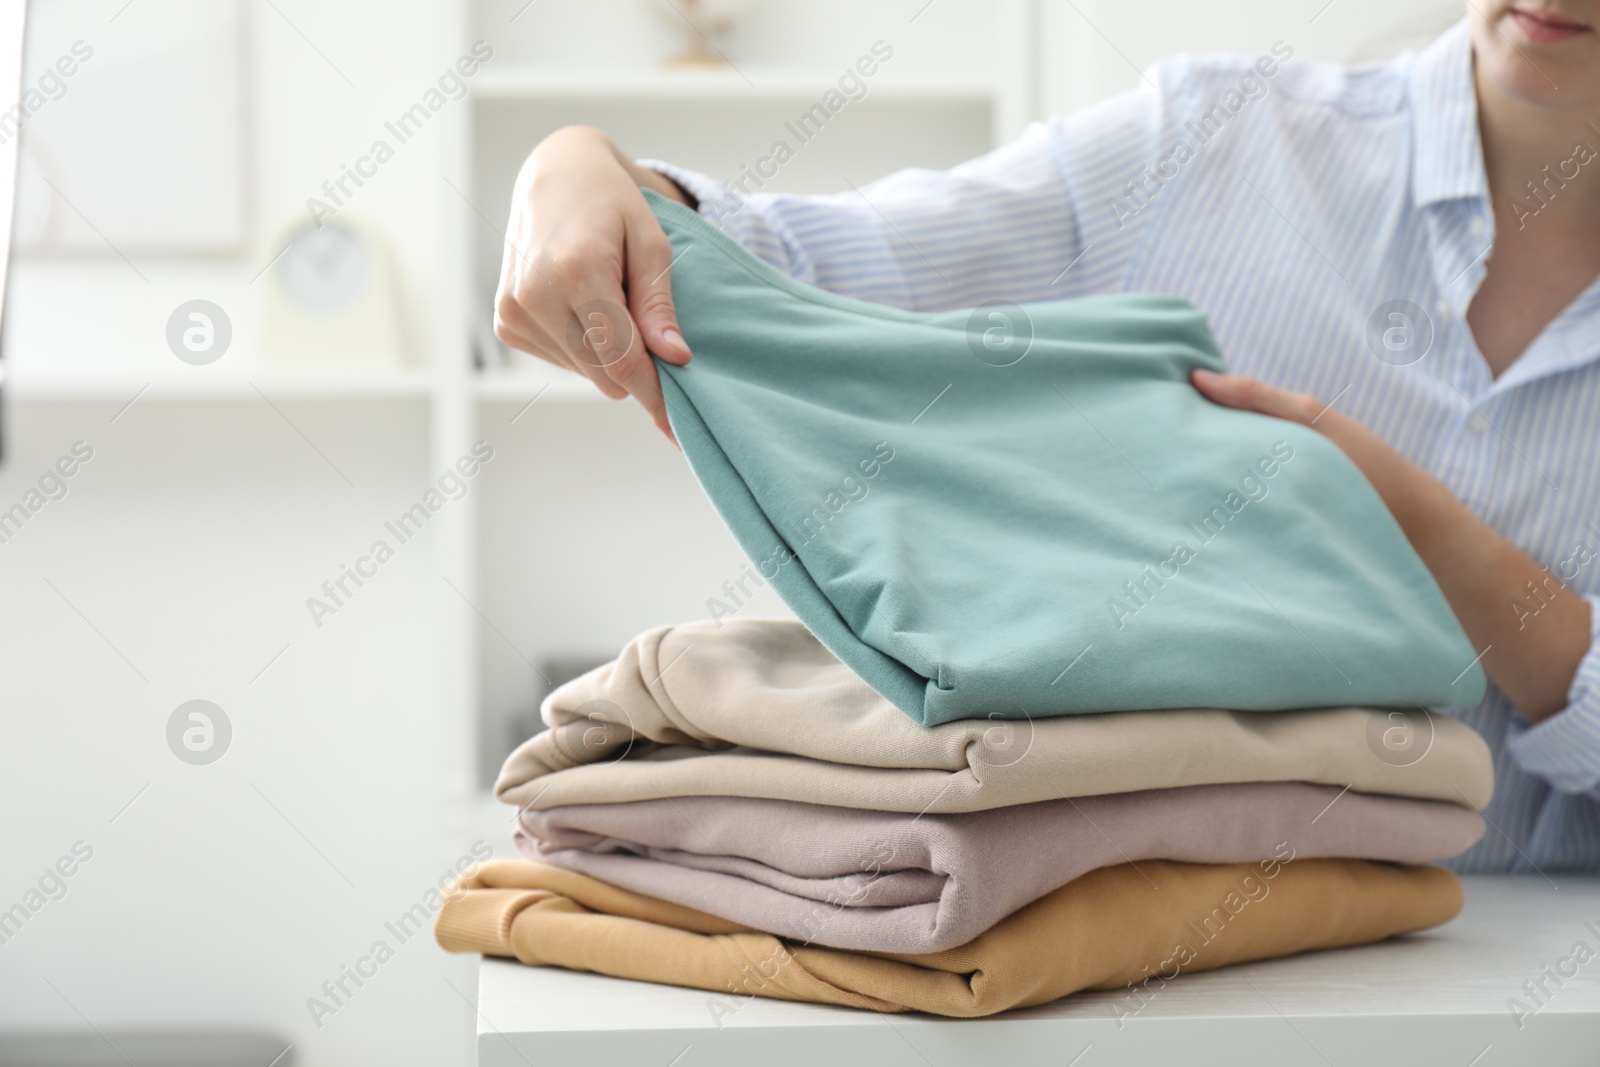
752, 221
1564, 749
713, 198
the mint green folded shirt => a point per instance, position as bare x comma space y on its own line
1014, 512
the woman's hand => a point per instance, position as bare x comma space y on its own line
1483, 576
1417, 500
585, 282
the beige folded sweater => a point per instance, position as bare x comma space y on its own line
1111, 928
758, 708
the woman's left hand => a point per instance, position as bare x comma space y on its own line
1484, 577
1401, 483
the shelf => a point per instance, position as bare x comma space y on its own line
747, 84
121, 386
520, 388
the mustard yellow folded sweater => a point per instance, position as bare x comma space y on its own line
1142, 923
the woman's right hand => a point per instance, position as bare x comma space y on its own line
585, 281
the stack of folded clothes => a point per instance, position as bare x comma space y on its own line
731, 808
1094, 683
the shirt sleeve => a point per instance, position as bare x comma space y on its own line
1048, 216
1564, 749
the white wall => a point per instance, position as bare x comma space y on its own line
190, 543
1103, 44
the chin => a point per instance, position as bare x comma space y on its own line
1553, 64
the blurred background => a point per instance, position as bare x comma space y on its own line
249, 311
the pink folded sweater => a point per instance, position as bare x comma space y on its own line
898, 882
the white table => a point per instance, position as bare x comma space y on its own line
1437, 999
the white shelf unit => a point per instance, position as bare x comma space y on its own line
525, 387
953, 90
563, 580
274, 385
709, 85
541, 551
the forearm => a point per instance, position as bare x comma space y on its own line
1025, 222
1536, 631
654, 179
578, 140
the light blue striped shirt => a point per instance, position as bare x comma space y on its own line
1294, 203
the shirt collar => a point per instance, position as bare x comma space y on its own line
1447, 155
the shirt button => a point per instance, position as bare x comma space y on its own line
1478, 423
1477, 226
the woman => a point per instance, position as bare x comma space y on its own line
1404, 256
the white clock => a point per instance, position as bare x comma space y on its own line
331, 300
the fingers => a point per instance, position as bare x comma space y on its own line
603, 339
637, 375
1251, 394
649, 284
515, 326
584, 280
